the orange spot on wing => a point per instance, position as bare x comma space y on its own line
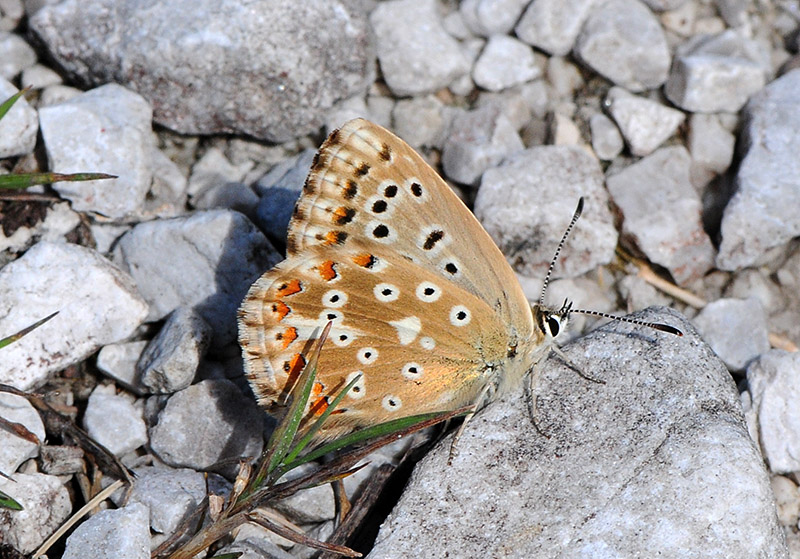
327, 270
281, 309
334, 238
287, 336
290, 288
364, 260
343, 215
319, 402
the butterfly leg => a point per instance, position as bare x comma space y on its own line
533, 378
479, 401
530, 397
574, 367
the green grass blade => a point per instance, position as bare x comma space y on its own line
396, 426
8, 103
8, 503
303, 443
286, 431
14, 337
19, 181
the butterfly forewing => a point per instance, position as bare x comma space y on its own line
368, 184
424, 304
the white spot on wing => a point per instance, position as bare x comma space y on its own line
367, 355
359, 389
391, 403
334, 299
428, 292
386, 292
407, 329
460, 315
412, 371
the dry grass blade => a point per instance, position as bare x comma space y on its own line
55, 423
361, 507
181, 529
19, 430
297, 537
99, 498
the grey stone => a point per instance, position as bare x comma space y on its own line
736, 329
627, 467
421, 121
40, 76
489, 17
511, 102
711, 146
112, 534
565, 79
54, 94
212, 67
787, 498
754, 283
716, 74
115, 127
504, 62
59, 220
606, 140
279, 190
380, 108
19, 126
623, 41
478, 140
167, 194
118, 361
170, 360
415, 52
206, 261
114, 421
645, 124
208, 426
734, 12
772, 383
15, 55
169, 494
664, 5
662, 213
317, 504
526, 203
255, 542
45, 505
681, 20
347, 110
564, 131
213, 169
11, 12
14, 450
639, 294
763, 212
553, 25
97, 304
59, 460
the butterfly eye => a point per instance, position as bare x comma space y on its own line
554, 325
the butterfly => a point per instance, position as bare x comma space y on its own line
426, 312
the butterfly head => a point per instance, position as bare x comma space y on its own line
551, 322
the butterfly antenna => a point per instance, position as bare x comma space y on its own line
575, 217
654, 325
